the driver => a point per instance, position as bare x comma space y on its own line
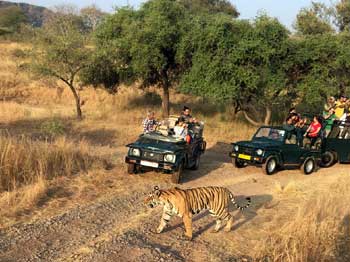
180, 129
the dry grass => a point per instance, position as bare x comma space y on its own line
23, 160
319, 230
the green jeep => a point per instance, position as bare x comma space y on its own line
163, 152
274, 147
335, 149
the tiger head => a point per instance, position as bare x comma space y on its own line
153, 198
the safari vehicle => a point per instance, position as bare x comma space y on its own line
272, 148
335, 149
161, 151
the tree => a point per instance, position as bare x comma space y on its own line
144, 44
11, 18
92, 17
343, 15
210, 6
60, 51
314, 20
238, 63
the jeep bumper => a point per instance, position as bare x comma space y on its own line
251, 160
162, 166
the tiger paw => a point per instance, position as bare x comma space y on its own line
159, 230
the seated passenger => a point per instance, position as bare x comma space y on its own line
300, 129
314, 130
149, 123
346, 130
180, 130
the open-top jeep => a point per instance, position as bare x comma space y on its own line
161, 151
272, 148
334, 148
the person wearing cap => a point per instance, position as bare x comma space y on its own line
340, 105
149, 123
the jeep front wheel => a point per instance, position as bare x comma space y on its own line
308, 166
196, 163
176, 175
238, 163
131, 168
270, 166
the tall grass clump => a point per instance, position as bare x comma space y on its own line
319, 231
22, 160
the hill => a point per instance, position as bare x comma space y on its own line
35, 14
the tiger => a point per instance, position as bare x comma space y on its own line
187, 202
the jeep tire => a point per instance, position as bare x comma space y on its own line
328, 159
177, 174
238, 163
131, 168
196, 163
308, 166
270, 165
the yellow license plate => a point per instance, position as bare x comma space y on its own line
246, 157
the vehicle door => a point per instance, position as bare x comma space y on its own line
291, 151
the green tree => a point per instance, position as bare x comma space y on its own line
210, 6
11, 18
60, 51
144, 43
238, 63
314, 20
343, 15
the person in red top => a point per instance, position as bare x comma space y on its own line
314, 130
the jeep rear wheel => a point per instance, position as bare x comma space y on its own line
177, 175
238, 163
131, 168
308, 166
327, 159
270, 166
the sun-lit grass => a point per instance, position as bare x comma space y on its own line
318, 231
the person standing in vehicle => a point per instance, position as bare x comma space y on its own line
340, 105
186, 116
346, 130
329, 117
149, 123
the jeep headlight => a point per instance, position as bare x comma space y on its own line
134, 152
236, 148
259, 152
169, 158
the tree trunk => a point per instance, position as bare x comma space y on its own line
250, 120
268, 115
165, 101
77, 102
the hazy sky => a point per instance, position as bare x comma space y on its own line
284, 10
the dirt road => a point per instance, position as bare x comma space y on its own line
119, 228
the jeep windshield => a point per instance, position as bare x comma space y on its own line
270, 133
156, 138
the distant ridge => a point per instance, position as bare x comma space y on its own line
35, 14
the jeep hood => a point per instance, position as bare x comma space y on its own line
158, 146
259, 143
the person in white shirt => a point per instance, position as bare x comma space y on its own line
180, 130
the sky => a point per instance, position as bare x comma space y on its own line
284, 10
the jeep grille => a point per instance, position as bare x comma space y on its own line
152, 156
